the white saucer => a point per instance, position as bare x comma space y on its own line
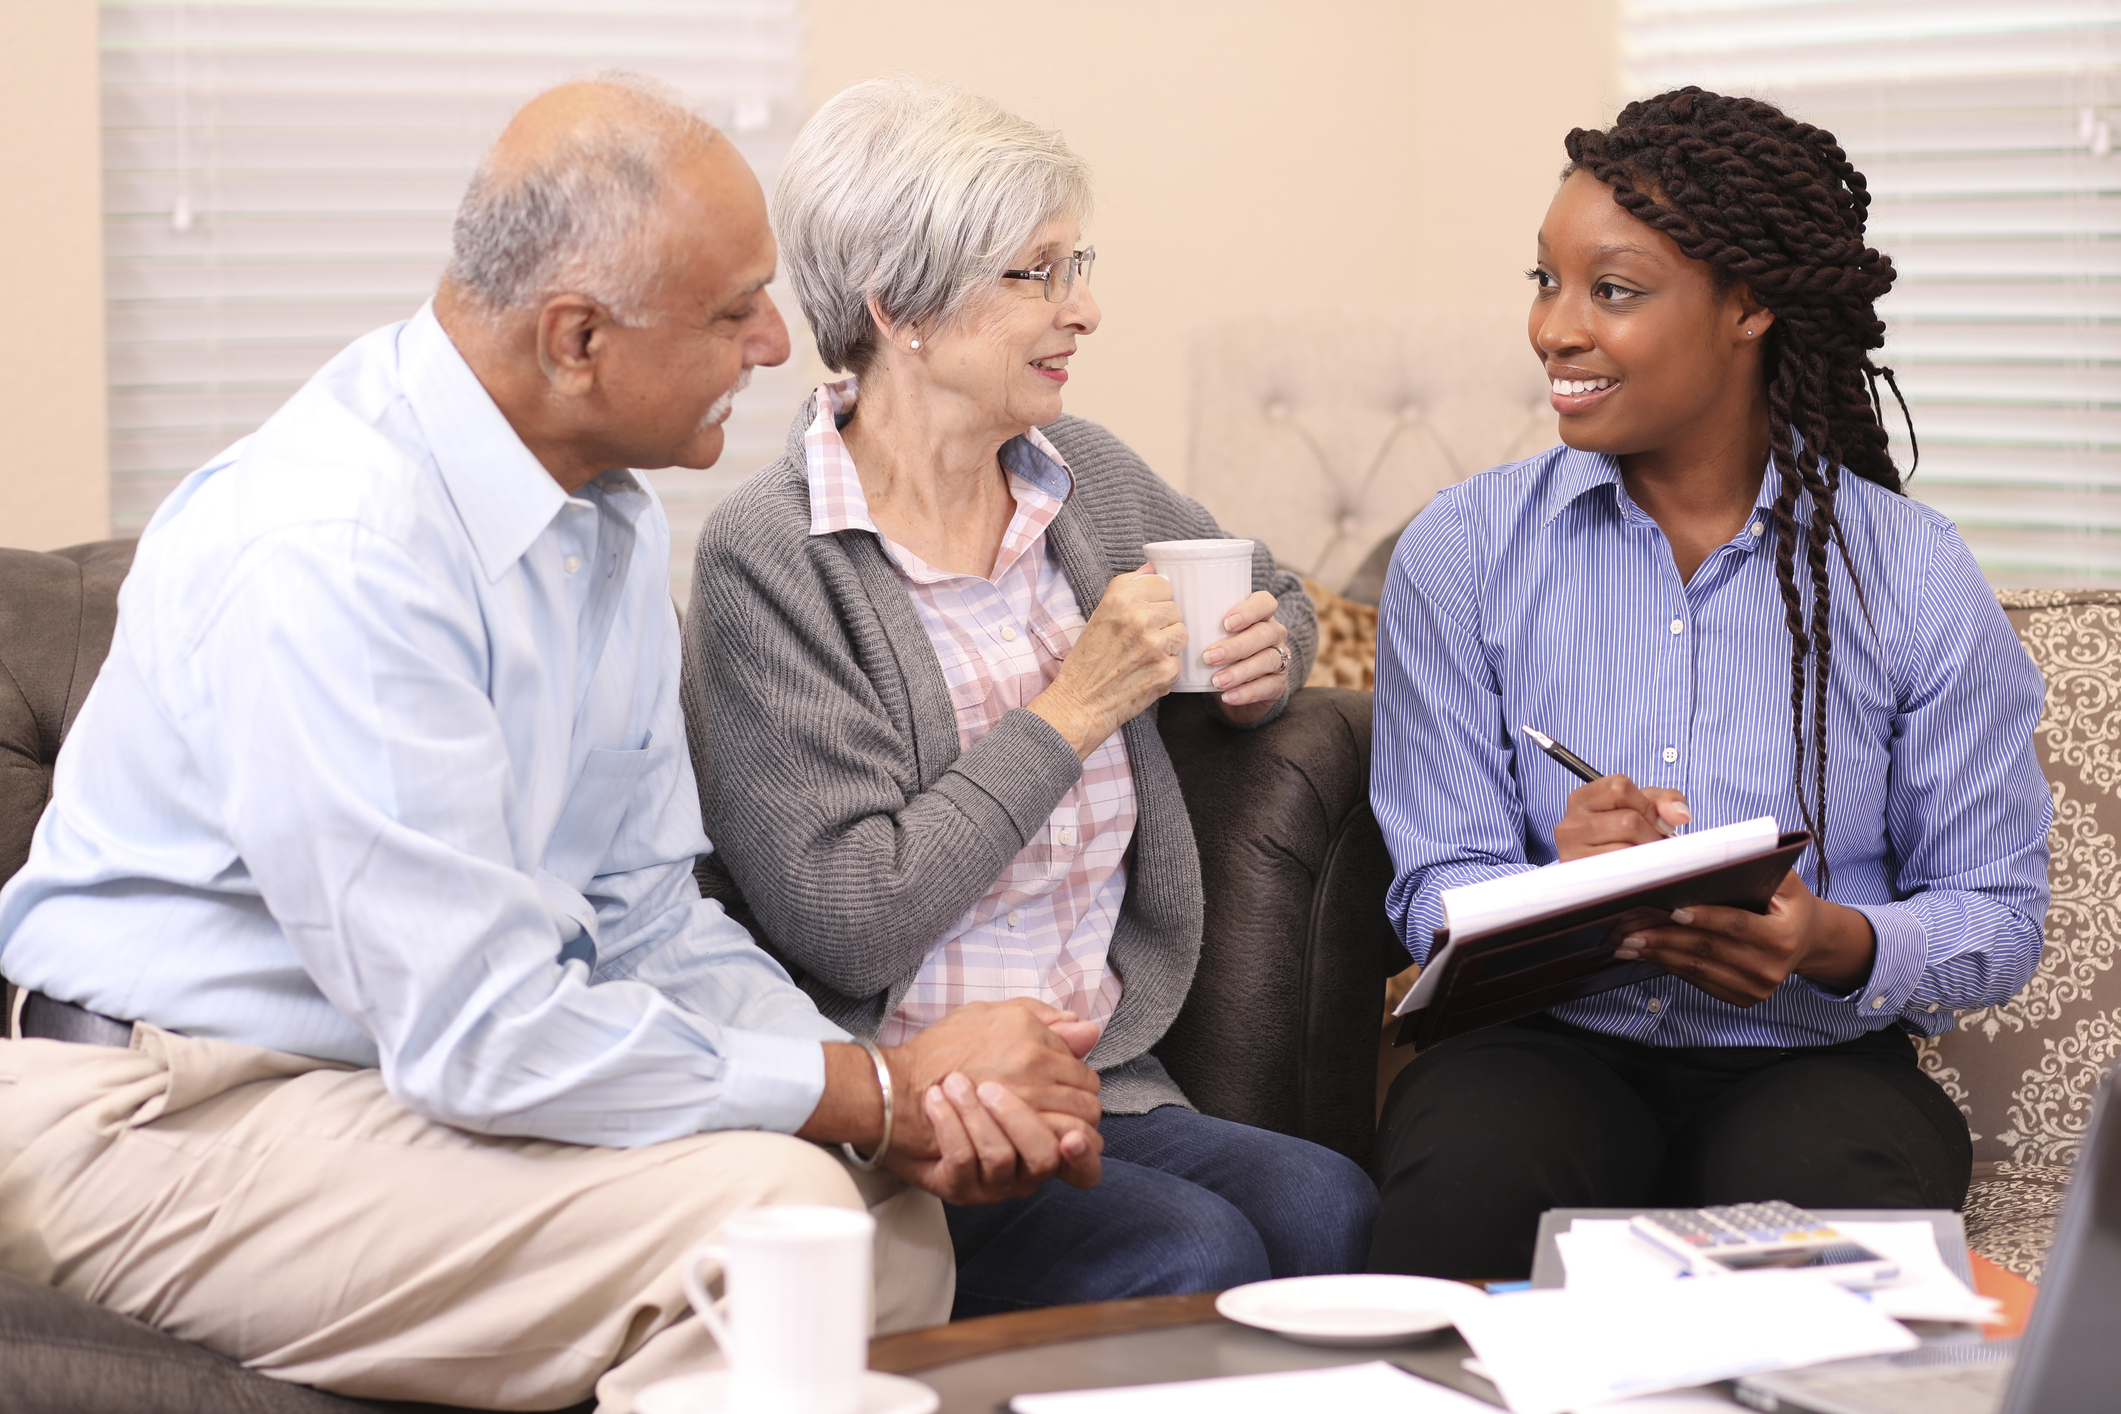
708, 1393
1348, 1310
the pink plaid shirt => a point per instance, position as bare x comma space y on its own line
1045, 926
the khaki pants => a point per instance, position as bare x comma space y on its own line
291, 1215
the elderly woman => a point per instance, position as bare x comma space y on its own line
920, 655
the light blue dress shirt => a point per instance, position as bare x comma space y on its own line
1541, 594
386, 766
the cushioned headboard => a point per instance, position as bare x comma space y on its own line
1321, 433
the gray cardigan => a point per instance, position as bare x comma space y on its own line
849, 831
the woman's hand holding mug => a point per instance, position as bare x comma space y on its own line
1252, 664
1126, 657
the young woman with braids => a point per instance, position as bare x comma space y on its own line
1716, 591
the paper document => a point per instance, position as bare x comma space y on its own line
1600, 1255
1475, 910
1553, 1351
1374, 1385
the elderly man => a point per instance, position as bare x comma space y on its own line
372, 1029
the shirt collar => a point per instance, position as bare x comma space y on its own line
1580, 473
502, 492
837, 501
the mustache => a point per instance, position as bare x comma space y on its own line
719, 412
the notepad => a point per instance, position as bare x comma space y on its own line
1526, 941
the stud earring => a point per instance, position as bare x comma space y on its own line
914, 344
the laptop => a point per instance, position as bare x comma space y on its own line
2069, 1360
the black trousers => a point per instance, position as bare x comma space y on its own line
1488, 1130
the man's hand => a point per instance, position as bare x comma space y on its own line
989, 1102
1742, 957
1613, 813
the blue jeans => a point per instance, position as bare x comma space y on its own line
1187, 1203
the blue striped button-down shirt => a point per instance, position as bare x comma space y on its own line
1540, 593
386, 766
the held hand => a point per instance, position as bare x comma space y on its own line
1257, 654
1125, 658
992, 1146
1025, 1046
1741, 957
1613, 813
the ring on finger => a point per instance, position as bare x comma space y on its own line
1284, 658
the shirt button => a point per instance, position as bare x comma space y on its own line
1933, 1008
1671, 754
1067, 836
1008, 633
571, 563
1016, 918
1654, 1005
1677, 626
1755, 528
1877, 1003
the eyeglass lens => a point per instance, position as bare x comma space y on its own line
1061, 274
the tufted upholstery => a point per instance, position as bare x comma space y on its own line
1321, 433
2025, 1072
57, 612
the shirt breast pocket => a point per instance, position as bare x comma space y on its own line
593, 834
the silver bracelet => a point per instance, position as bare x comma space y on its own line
883, 1083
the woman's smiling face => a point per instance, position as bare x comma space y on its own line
1639, 344
1010, 355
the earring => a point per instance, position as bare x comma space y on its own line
914, 344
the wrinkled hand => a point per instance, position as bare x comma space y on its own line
1125, 658
995, 1100
1742, 957
1256, 650
1612, 813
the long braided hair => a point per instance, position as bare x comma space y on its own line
1775, 203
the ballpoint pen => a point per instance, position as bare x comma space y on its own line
1574, 764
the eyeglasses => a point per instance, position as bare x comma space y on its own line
1059, 275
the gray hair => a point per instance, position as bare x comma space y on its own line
918, 196
573, 221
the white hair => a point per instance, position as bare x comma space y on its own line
577, 219
917, 196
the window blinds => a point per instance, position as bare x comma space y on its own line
280, 178
1987, 137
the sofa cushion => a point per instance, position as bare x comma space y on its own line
57, 613
2025, 1072
61, 1355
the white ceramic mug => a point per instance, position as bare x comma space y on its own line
1208, 578
796, 1284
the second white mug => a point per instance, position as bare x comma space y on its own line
796, 1284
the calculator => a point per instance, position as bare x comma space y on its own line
1752, 1237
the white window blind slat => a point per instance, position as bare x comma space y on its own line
1986, 133
280, 179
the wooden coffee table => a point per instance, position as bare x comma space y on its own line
978, 1365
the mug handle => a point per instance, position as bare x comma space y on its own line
708, 1308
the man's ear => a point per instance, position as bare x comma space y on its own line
571, 333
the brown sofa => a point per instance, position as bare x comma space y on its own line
1277, 1031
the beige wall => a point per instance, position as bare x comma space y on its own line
1264, 154
54, 470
